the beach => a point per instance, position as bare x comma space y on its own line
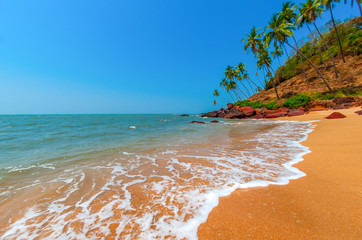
324, 204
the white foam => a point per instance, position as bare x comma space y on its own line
228, 169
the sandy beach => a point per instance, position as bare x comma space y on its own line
325, 204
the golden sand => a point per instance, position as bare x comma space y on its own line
325, 204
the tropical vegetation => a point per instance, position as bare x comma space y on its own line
325, 43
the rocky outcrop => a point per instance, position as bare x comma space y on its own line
184, 115
214, 121
336, 115
237, 112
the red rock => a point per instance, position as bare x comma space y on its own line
359, 112
258, 116
197, 122
295, 112
234, 114
276, 115
247, 111
336, 115
184, 115
214, 121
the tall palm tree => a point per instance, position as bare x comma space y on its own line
230, 74
264, 59
358, 4
281, 33
289, 15
328, 4
277, 53
310, 11
254, 41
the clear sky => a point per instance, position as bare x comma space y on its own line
124, 56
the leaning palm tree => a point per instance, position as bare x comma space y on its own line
328, 4
264, 59
358, 4
277, 53
217, 94
281, 33
254, 41
225, 84
289, 15
231, 75
309, 12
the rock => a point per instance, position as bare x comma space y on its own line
211, 114
184, 115
214, 121
276, 115
230, 105
258, 116
359, 112
336, 115
295, 112
247, 111
233, 113
343, 102
289, 94
197, 122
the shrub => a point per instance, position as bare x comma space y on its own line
297, 101
256, 104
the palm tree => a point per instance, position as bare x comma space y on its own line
225, 84
217, 94
289, 15
253, 40
255, 43
358, 4
264, 59
329, 5
231, 75
281, 33
277, 53
310, 11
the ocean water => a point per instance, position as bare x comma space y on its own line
133, 176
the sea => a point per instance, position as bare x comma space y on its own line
133, 176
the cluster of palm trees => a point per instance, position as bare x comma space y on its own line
277, 34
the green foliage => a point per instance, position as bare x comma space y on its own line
246, 103
350, 33
335, 94
299, 100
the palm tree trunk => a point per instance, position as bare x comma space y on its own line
359, 6
319, 49
247, 90
286, 52
329, 51
251, 88
275, 87
335, 29
320, 74
241, 91
300, 57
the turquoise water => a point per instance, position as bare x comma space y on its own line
27, 140
133, 176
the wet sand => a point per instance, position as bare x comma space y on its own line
325, 204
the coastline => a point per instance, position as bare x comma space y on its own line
322, 205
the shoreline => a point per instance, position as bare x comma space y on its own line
321, 205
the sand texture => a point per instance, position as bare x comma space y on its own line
325, 204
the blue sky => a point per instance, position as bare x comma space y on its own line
134, 56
